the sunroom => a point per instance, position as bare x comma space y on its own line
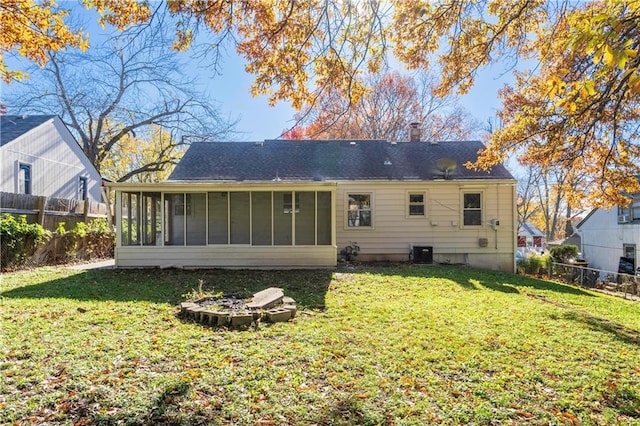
225, 225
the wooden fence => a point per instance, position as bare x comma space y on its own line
49, 212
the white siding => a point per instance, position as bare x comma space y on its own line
391, 237
226, 256
394, 233
57, 163
603, 239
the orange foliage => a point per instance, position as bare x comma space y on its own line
34, 28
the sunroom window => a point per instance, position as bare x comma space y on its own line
245, 218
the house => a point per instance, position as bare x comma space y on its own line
609, 234
40, 156
530, 238
295, 204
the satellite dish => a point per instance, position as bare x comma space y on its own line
446, 166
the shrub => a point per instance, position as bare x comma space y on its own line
564, 253
533, 264
350, 252
85, 241
99, 239
19, 239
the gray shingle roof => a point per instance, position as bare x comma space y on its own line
14, 126
328, 160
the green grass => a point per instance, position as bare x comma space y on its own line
375, 345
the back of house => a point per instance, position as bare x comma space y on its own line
293, 204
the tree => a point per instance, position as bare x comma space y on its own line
133, 88
547, 198
526, 203
385, 111
147, 159
577, 111
35, 29
580, 99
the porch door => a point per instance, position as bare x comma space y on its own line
630, 252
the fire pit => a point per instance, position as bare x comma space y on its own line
231, 311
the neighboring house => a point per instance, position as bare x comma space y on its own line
530, 238
298, 203
40, 156
608, 235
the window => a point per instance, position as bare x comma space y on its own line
174, 219
261, 221
472, 209
82, 188
24, 178
416, 204
305, 221
150, 218
218, 217
257, 218
196, 219
631, 212
287, 204
323, 218
359, 210
129, 219
635, 209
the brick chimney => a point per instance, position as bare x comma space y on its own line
414, 132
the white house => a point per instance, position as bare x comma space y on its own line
608, 235
40, 156
530, 239
298, 203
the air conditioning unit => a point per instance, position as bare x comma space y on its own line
624, 218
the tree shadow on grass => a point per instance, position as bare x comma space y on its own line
307, 287
471, 278
619, 331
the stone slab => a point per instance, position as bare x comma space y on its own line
292, 308
208, 317
185, 306
278, 315
288, 300
221, 318
266, 299
238, 320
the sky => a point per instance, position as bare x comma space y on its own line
256, 119
259, 121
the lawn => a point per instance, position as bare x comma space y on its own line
373, 345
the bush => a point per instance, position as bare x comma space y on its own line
86, 241
19, 240
564, 253
350, 252
99, 239
533, 264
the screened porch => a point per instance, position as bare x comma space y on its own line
178, 227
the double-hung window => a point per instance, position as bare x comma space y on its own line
359, 210
416, 204
24, 178
472, 209
82, 188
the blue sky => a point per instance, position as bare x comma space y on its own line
258, 121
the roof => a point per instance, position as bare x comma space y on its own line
326, 160
582, 222
14, 126
528, 228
